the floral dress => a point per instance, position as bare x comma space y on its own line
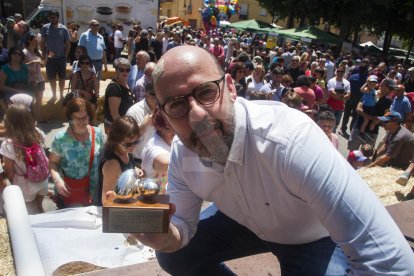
74, 157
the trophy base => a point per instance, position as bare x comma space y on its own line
136, 215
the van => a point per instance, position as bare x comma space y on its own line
107, 12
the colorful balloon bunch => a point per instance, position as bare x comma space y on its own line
216, 11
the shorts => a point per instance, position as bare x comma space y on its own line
31, 190
370, 110
56, 65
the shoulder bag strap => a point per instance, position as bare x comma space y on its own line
91, 156
81, 79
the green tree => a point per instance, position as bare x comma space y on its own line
388, 17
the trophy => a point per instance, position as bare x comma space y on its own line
136, 206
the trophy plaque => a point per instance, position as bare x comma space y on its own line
135, 206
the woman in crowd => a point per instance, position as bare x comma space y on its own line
80, 50
123, 136
75, 154
256, 81
84, 82
33, 59
237, 71
21, 132
14, 76
118, 96
156, 153
287, 81
326, 121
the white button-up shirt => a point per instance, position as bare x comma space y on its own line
285, 182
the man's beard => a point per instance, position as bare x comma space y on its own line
217, 147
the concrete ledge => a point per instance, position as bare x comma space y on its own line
110, 74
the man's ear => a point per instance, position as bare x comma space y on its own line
229, 84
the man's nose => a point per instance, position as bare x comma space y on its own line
196, 111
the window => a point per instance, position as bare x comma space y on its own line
41, 18
263, 12
243, 11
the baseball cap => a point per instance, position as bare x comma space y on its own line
389, 82
372, 78
356, 155
358, 61
392, 116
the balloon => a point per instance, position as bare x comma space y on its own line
222, 9
231, 9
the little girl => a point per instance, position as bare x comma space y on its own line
21, 132
368, 102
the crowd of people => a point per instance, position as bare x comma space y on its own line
180, 109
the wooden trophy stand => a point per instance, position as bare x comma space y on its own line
137, 215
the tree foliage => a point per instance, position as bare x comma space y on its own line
389, 17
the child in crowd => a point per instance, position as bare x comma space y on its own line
21, 132
368, 102
361, 158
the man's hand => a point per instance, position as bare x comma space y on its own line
163, 242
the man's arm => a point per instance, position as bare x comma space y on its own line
105, 63
380, 161
185, 205
67, 43
352, 214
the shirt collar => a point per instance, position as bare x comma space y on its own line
236, 154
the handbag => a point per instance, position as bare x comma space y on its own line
79, 188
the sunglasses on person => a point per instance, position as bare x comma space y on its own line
122, 70
340, 71
95, 25
131, 144
18, 53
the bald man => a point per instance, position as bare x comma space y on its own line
277, 186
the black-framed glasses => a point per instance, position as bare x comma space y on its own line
122, 70
205, 94
131, 144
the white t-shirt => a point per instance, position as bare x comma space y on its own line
117, 42
155, 146
138, 111
255, 86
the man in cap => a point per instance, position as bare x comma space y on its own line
20, 24
387, 87
398, 149
276, 188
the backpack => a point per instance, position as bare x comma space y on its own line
37, 163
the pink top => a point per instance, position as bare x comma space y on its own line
306, 94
